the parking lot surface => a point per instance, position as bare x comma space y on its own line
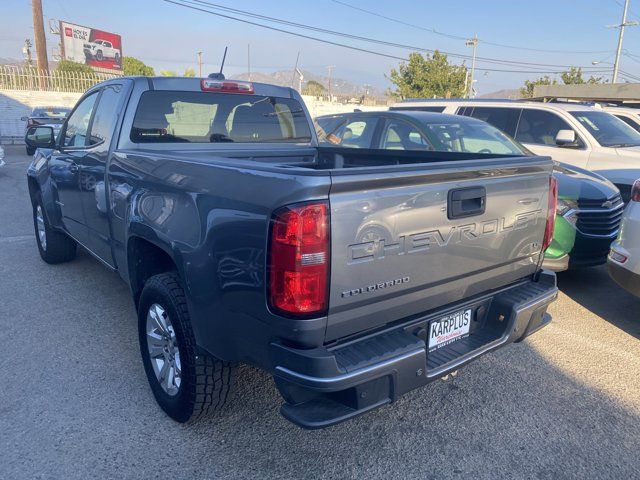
74, 399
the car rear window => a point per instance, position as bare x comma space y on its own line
204, 117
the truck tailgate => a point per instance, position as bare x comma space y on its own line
411, 239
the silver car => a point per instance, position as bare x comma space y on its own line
624, 258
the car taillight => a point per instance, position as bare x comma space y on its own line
635, 191
226, 86
551, 212
299, 258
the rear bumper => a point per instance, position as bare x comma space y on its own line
328, 385
625, 278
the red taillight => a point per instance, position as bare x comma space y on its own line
635, 191
299, 259
226, 86
551, 212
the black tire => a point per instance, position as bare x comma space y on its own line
31, 151
57, 247
99, 55
205, 382
117, 58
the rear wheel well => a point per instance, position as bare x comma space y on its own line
146, 260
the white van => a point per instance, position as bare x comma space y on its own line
573, 133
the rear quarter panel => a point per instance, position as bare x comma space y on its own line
213, 220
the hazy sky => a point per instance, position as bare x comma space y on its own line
167, 36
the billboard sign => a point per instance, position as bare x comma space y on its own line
99, 49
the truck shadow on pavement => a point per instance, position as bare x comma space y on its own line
594, 290
512, 414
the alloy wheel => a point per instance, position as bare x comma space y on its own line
163, 349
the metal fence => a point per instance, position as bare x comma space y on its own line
26, 78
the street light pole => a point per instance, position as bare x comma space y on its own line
472, 42
200, 64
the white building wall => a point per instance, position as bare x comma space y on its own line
15, 104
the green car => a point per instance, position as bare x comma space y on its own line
587, 221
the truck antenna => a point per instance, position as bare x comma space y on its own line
220, 75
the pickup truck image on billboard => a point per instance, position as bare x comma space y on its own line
93, 47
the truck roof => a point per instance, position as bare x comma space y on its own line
194, 84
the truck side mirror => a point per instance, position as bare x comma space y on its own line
40, 137
566, 138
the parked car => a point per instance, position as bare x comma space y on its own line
51, 116
242, 240
100, 50
589, 206
573, 133
631, 116
624, 259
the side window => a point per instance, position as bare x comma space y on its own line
504, 119
631, 122
540, 127
75, 133
357, 133
465, 111
104, 120
402, 136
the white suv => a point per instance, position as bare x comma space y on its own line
630, 116
624, 258
572, 133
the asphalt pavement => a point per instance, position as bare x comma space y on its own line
75, 404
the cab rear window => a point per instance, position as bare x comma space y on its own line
204, 117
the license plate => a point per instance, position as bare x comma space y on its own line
449, 329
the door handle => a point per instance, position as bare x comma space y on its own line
466, 202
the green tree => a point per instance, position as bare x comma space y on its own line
169, 73
428, 77
529, 85
189, 72
314, 88
574, 77
73, 67
135, 67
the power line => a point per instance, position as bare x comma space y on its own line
456, 37
210, 5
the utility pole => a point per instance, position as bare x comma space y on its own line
249, 60
616, 64
38, 32
472, 42
330, 68
27, 52
295, 69
200, 64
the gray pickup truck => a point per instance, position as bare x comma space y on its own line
351, 275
